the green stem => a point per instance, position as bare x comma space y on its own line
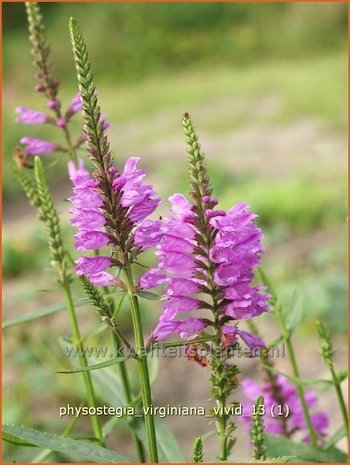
77, 341
71, 149
296, 374
222, 433
128, 397
341, 400
141, 359
221, 420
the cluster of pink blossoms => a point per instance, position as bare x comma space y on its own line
34, 146
137, 198
234, 252
287, 395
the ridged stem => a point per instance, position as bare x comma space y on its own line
70, 147
141, 359
341, 400
296, 374
128, 397
200, 187
77, 341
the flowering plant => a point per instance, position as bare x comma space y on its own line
206, 273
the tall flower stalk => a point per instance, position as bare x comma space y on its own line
47, 85
206, 257
224, 376
124, 202
59, 263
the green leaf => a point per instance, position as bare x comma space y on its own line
294, 315
168, 448
153, 368
109, 386
78, 449
300, 382
148, 295
284, 459
106, 380
278, 341
342, 375
336, 437
96, 366
278, 446
40, 313
8, 437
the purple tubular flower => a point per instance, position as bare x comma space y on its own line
178, 303
92, 265
61, 122
140, 199
246, 301
75, 104
188, 328
148, 234
28, 116
164, 329
90, 240
152, 278
101, 279
38, 146
229, 336
106, 124
181, 207
53, 104
182, 286
177, 263
191, 328
287, 395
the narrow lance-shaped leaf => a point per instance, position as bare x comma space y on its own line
97, 366
40, 313
278, 446
80, 450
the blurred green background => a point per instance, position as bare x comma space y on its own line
266, 85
